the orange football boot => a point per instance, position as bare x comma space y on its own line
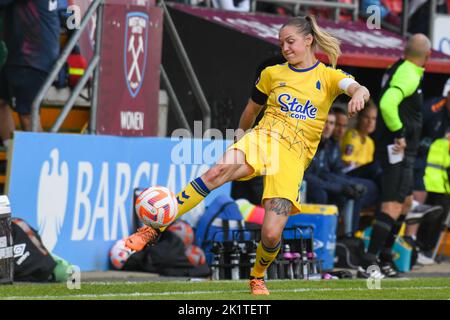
143, 236
258, 287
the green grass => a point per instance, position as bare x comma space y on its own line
417, 288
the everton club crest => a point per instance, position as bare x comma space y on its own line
135, 50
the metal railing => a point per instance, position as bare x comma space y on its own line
94, 101
179, 114
96, 6
190, 73
405, 17
432, 15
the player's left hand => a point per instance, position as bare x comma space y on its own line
356, 104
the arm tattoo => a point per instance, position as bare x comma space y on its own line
280, 206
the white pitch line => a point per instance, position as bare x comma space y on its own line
172, 293
107, 283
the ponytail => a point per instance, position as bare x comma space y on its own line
324, 40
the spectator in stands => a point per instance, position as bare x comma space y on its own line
281, 9
419, 15
341, 124
436, 122
399, 126
358, 148
437, 185
389, 10
232, 5
327, 184
31, 31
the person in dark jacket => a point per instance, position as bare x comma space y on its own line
327, 184
397, 136
31, 33
436, 123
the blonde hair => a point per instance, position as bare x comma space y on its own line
324, 40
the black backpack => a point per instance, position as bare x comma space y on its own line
167, 258
32, 261
349, 252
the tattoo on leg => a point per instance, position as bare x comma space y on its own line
280, 206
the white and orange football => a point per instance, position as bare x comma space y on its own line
156, 207
195, 255
183, 230
119, 254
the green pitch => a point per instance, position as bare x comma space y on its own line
417, 288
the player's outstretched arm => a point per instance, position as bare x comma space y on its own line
360, 95
248, 116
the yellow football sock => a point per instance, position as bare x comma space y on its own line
264, 257
190, 196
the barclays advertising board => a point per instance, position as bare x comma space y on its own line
77, 190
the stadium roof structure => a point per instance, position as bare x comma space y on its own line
361, 46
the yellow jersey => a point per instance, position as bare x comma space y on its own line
297, 104
356, 151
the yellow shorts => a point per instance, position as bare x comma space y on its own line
282, 169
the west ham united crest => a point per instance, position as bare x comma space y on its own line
135, 50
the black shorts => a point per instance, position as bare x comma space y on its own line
397, 180
20, 85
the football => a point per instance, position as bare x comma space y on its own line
183, 230
195, 255
119, 254
156, 207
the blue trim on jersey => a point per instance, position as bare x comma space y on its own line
200, 187
303, 70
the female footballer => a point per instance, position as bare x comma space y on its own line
297, 95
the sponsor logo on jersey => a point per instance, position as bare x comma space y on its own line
295, 108
348, 149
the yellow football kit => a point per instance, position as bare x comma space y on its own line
284, 142
355, 150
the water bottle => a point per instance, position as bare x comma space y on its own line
234, 260
313, 263
287, 256
218, 261
215, 262
243, 260
251, 253
304, 259
348, 217
312, 257
296, 264
6, 243
272, 271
